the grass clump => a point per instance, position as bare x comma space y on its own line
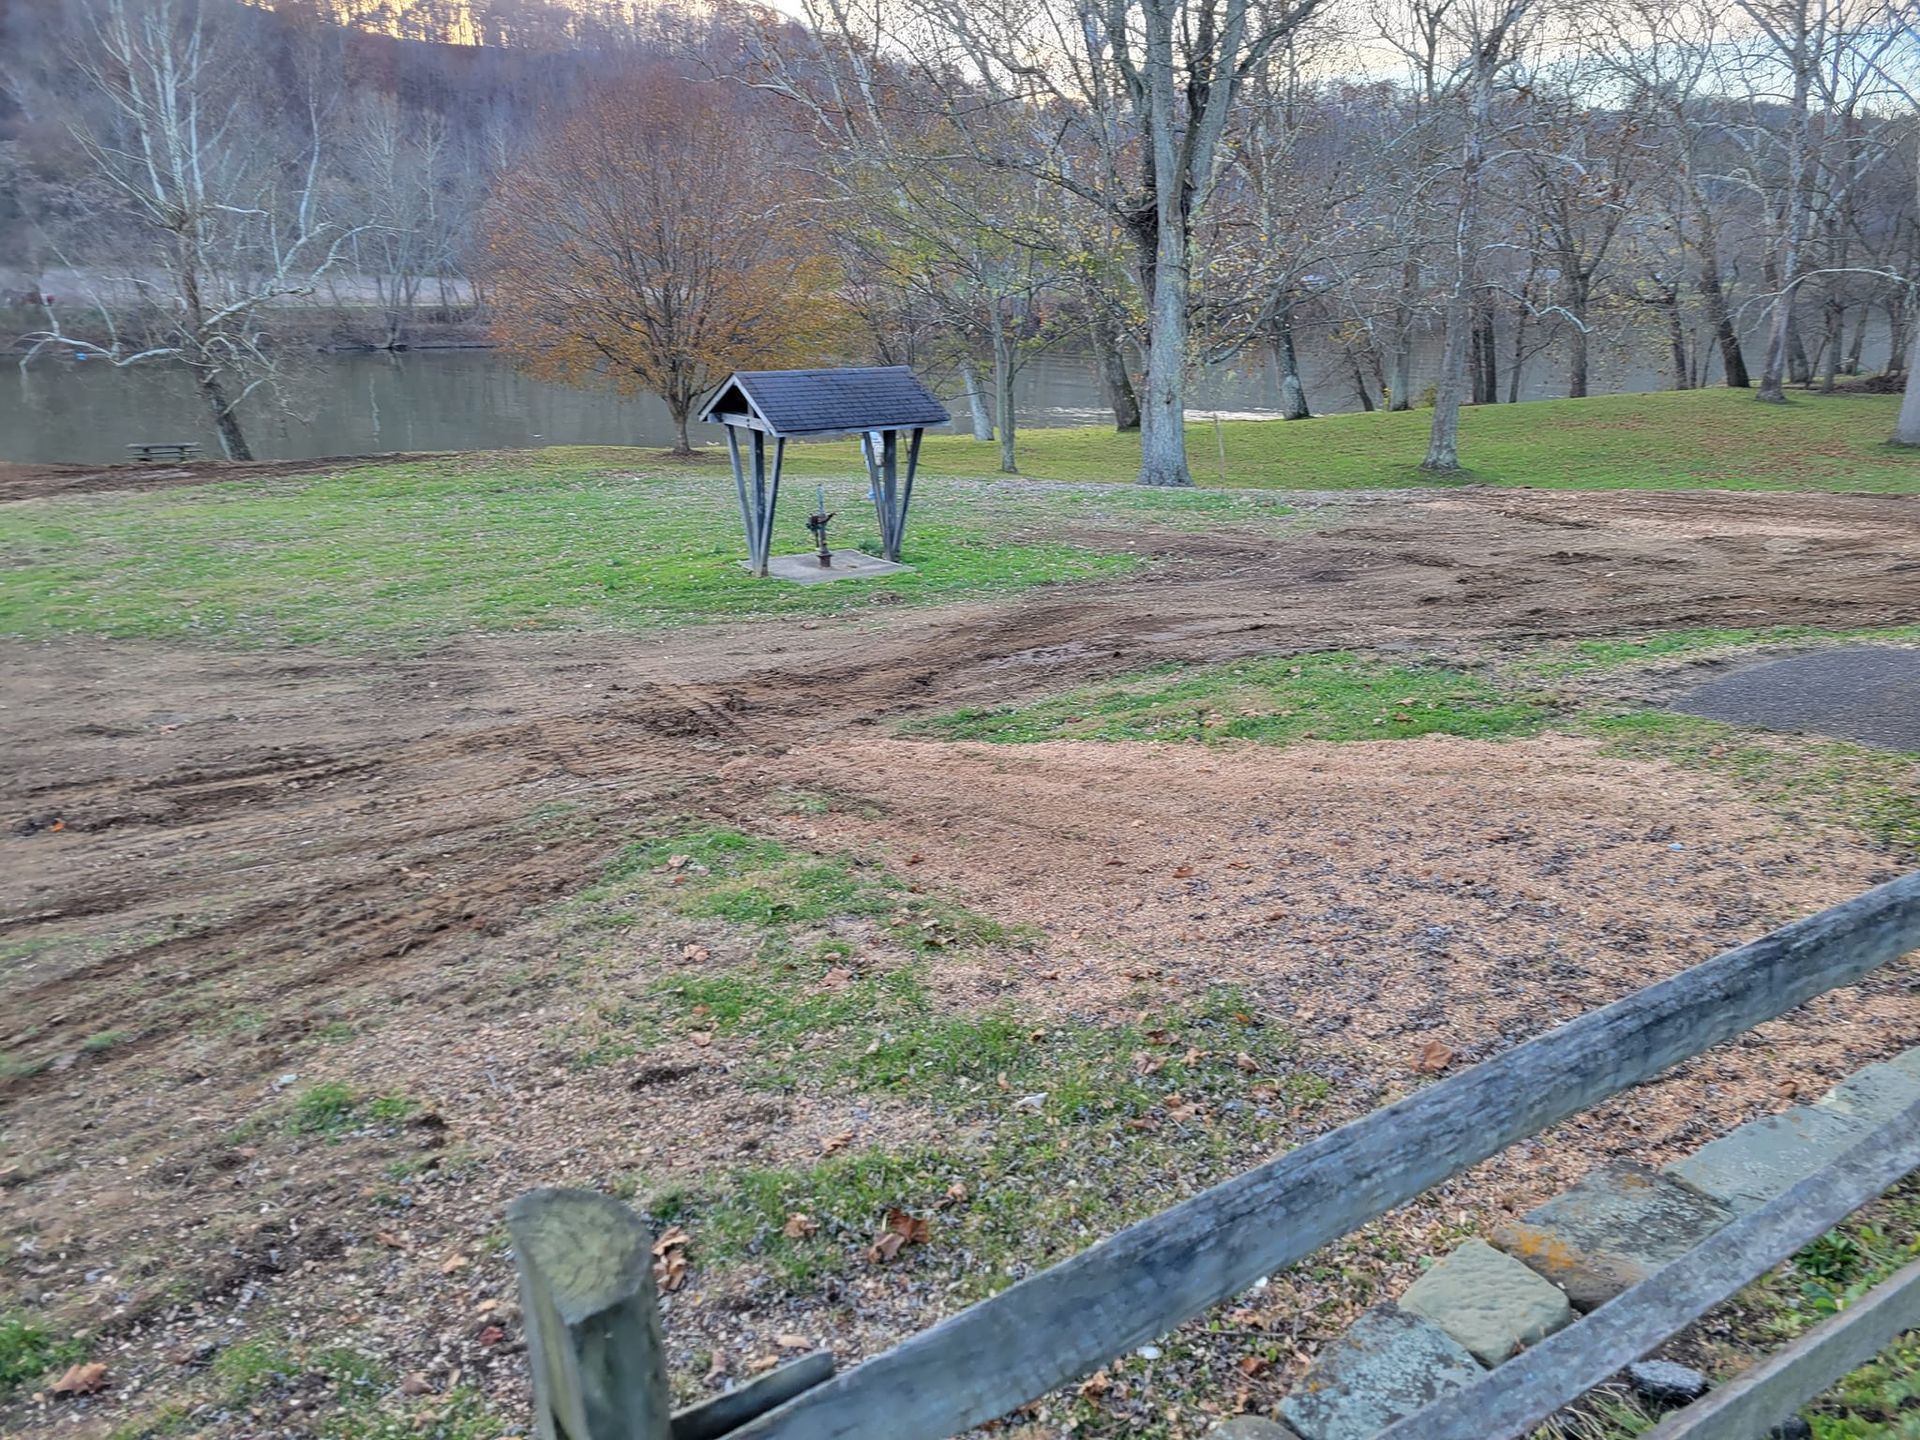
1587, 657
1876, 792
332, 1109
28, 1350
1334, 696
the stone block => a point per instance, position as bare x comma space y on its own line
1252, 1427
1492, 1304
1908, 1062
1763, 1158
1389, 1364
1875, 1094
1612, 1230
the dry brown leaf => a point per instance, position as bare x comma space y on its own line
837, 978
82, 1379
1193, 1056
1434, 1057
1182, 872
1246, 1063
492, 1335
764, 1362
678, 862
836, 1142
799, 1227
956, 1192
702, 1038
914, 1229
673, 1238
454, 1262
1095, 1385
670, 1271
885, 1248
1252, 1365
1147, 1064
695, 952
390, 1240
790, 1341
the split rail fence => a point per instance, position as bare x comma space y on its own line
593, 1323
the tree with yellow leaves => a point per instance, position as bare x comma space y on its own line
653, 241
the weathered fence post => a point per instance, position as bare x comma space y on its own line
592, 1318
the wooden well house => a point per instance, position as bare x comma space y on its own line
878, 403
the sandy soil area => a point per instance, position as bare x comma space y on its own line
194, 834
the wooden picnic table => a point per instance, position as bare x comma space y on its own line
164, 450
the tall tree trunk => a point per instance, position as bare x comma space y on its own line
1113, 371
1488, 387
1714, 298
1782, 338
1859, 346
1676, 340
1799, 366
1577, 362
1906, 430
680, 409
976, 402
1003, 395
1516, 360
1896, 334
1400, 392
233, 442
1360, 383
1293, 395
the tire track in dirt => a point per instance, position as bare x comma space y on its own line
291, 820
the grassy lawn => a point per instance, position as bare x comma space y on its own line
1700, 439
546, 540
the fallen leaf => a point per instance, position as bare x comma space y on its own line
492, 1335
701, 1038
837, 978
793, 1342
799, 1227
1193, 1056
454, 1262
836, 1142
673, 1238
885, 1248
670, 1271
1251, 1365
1095, 1385
389, 1239
1246, 1063
1182, 872
914, 1229
678, 862
1434, 1057
416, 1384
695, 952
764, 1362
82, 1379
1159, 1037
1148, 1064
715, 1367
956, 1192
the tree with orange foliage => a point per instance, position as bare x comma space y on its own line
653, 241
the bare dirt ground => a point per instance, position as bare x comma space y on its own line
297, 838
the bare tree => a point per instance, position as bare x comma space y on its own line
208, 224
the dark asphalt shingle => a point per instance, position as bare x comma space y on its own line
825, 402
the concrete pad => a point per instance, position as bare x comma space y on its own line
1492, 1304
1862, 692
1389, 1364
1875, 1094
847, 565
1764, 1158
1621, 1223
1907, 1062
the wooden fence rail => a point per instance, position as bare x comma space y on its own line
1070, 1319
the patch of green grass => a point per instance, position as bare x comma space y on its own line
399, 555
1581, 657
1677, 440
28, 1350
1336, 696
1876, 792
331, 1109
103, 1040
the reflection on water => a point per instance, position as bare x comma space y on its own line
476, 399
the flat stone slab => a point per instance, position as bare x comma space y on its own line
1621, 1223
847, 565
1863, 692
1252, 1427
1763, 1158
1492, 1304
1389, 1364
1908, 1062
1875, 1094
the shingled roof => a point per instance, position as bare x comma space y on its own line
826, 402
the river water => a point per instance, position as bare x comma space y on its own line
352, 404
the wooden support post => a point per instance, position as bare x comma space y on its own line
740, 487
890, 469
913, 464
592, 1318
759, 555
1772, 1390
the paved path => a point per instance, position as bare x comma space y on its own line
1869, 693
